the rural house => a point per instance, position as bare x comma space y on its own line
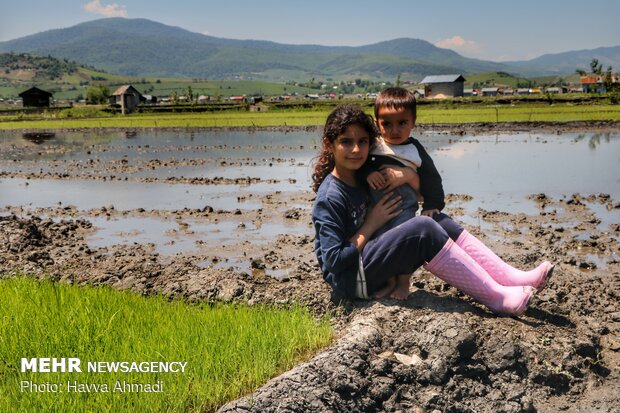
127, 97
596, 83
443, 86
490, 91
35, 97
553, 90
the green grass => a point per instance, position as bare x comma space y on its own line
229, 349
219, 119
519, 113
427, 114
70, 88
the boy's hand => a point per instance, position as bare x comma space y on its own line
430, 212
396, 176
376, 180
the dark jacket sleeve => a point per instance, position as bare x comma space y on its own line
366, 169
374, 163
338, 256
431, 186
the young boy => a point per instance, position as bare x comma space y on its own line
395, 112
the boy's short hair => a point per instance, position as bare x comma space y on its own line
395, 98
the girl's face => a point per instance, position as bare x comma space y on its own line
351, 148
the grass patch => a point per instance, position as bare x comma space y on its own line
427, 114
229, 349
519, 113
178, 120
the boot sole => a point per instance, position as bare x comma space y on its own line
524, 305
545, 281
527, 302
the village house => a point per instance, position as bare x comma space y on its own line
490, 91
553, 90
35, 97
127, 98
596, 83
150, 99
443, 86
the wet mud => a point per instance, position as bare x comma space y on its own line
436, 352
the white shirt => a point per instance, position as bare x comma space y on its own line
406, 153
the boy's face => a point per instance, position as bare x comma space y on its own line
395, 124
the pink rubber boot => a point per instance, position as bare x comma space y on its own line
498, 269
454, 266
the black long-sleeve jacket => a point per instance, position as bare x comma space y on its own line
431, 187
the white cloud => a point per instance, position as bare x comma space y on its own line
108, 10
459, 44
206, 33
505, 58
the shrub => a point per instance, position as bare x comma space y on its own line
97, 94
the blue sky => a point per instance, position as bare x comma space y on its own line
487, 29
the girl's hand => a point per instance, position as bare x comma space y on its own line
376, 180
383, 211
396, 176
377, 216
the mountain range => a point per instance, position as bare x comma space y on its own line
141, 47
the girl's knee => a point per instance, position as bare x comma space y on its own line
427, 227
427, 223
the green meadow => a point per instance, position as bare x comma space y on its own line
228, 349
519, 113
92, 117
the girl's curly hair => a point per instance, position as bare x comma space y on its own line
337, 123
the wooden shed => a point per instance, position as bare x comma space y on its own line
127, 97
36, 97
489, 91
443, 86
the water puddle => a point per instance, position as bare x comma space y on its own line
245, 266
608, 217
174, 237
88, 194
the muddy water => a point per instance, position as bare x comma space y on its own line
166, 172
500, 171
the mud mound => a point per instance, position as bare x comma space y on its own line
450, 359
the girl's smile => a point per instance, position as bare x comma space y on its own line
350, 152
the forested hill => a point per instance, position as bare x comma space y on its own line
16, 65
140, 47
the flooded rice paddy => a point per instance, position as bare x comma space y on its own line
159, 188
